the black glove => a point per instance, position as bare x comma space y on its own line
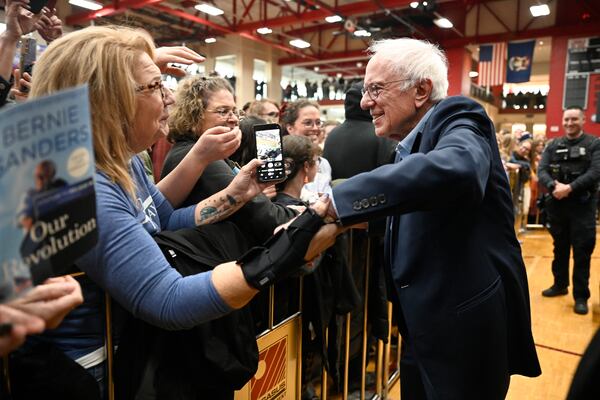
281, 255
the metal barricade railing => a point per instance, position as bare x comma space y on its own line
289, 385
384, 377
384, 380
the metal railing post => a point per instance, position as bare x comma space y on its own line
324, 370
299, 341
365, 350
347, 325
109, 347
379, 368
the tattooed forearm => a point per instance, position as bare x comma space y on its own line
216, 208
232, 200
207, 212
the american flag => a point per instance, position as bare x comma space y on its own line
492, 64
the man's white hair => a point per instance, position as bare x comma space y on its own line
415, 60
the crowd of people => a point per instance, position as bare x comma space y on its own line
330, 89
521, 153
186, 252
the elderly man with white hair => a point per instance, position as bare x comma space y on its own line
454, 262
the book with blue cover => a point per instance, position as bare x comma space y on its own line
48, 207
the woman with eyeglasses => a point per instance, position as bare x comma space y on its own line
303, 118
202, 104
129, 111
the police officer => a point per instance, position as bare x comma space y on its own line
570, 169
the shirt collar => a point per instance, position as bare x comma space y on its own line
405, 146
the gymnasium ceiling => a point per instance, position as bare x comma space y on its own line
333, 45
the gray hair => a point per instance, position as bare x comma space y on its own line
416, 60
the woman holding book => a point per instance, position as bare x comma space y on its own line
129, 107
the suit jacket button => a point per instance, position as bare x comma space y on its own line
364, 203
382, 199
356, 205
373, 201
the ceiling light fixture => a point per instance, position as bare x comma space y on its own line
207, 8
89, 4
333, 19
299, 43
539, 10
359, 64
210, 40
444, 23
264, 30
316, 69
362, 33
414, 4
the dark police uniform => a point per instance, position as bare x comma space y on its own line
572, 220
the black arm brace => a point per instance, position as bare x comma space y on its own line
281, 255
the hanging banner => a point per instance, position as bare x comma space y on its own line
520, 59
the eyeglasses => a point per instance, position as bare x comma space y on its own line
152, 87
225, 112
375, 89
309, 123
272, 114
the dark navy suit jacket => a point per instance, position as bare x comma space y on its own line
455, 261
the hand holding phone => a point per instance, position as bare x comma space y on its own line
269, 150
27, 59
35, 6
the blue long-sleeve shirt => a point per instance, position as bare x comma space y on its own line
128, 264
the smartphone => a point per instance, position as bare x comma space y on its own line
268, 149
28, 56
35, 6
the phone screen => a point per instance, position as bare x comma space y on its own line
28, 56
35, 6
268, 148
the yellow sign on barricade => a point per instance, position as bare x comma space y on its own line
278, 364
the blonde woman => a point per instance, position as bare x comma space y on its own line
129, 109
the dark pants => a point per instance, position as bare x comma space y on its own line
572, 224
411, 384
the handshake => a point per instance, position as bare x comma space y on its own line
295, 243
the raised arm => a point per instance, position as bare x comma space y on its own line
128, 263
224, 203
15, 27
214, 144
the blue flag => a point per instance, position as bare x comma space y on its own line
520, 59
